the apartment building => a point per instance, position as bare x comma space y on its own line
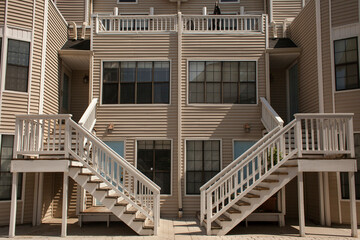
179, 108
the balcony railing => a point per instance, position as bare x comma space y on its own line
112, 24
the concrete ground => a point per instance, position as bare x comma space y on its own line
177, 229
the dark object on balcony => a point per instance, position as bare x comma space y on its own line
217, 10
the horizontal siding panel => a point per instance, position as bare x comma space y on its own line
23, 20
12, 104
344, 12
349, 102
72, 10
79, 94
2, 12
283, 9
303, 33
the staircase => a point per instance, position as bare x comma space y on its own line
240, 188
108, 177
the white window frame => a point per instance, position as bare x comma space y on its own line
256, 60
236, 1
185, 160
136, 2
134, 60
171, 156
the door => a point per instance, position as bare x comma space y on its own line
293, 98
65, 94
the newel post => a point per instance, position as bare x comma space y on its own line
298, 136
208, 215
350, 133
67, 137
202, 206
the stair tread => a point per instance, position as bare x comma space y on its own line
148, 226
104, 189
87, 174
224, 218
289, 166
131, 210
251, 195
233, 210
214, 225
121, 203
270, 180
112, 196
95, 181
280, 173
261, 188
140, 218
242, 203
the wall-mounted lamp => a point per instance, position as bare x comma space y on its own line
86, 79
247, 128
110, 127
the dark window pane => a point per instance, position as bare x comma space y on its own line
110, 93
230, 92
161, 92
127, 93
196, 93
16, 78
144, 93
213, 93
111, 72
128, 71
144, 72
161, 71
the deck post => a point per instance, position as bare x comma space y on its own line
13, 205
301, 204
321, 199
354, 232
64, 205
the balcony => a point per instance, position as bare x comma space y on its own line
239, 24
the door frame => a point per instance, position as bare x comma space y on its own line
288, 88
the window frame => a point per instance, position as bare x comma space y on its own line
339, 183
236, 1
134, 104
345, 64
171, 158
185, 160
20, 183
119, 2
256, 60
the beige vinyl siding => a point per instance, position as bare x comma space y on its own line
56, 38
283, 9
349, 102
72, 10
79, 94
278, 92
326, 57
20, 14
166, 7
312, 202
13, 103
334, 197
344, 12
303, 33
132, 122
2, 12
220, 121
36, 60
29, 198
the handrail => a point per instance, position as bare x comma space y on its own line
88, 119
269, 116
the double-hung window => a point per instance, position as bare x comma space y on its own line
222, 82
6, 154
140, 82
17, 70
346, 64
202, 163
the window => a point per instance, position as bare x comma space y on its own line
222, 82
17, 70
229, 1
127, 1
154, 160
346, 64
202, 163
6, 155
344, 176
136, 82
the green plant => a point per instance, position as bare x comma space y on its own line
274, 151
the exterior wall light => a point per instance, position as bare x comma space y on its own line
247, 128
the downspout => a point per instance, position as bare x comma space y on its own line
3, 59
180, 27
31, 57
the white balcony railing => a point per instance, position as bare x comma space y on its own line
116, 24
269, 117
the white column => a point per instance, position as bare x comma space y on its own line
321, 199
64, 205
40, 198
354, 232
13, 205
301, 204
327, 199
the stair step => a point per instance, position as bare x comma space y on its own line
95, 181
214, 225
140, 218
261, 188
224, 218
289, 166
131, 210
121, 203
86, 174
112, 196
233, 210
242, 203
148, 226
104, 189
270, 180
251, 195
280, 173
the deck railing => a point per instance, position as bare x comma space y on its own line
269, 117
117, 24
88, 119
59, 134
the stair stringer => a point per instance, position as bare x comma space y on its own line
118, 211
254, 203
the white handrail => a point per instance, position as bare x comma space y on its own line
88, 119
269, 116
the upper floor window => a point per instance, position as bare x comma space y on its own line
17, 70
222, 82
346, 64
136, 82
127, 1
